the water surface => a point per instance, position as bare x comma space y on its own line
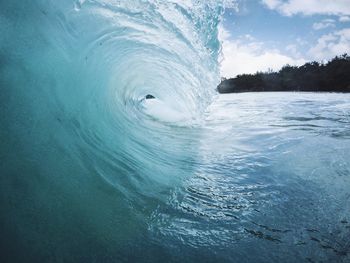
91, 170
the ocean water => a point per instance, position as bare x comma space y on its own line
92, 171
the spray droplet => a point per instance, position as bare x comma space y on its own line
78, 4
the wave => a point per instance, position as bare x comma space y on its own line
80, 75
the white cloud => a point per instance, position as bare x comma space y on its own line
326, 23
344, 19
331, 45
244, 56
310, 7
249, 37
301, 41
272, 4
293, 50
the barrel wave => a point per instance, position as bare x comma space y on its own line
94, 156
90, 65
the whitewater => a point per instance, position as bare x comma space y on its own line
115, 147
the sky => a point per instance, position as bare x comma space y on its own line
262, 35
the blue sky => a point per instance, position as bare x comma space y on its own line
263, 34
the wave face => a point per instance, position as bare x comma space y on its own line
87, 157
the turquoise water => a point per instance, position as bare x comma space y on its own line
91, 171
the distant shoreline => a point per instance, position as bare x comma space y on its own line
334, 76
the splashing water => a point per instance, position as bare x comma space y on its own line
109, 152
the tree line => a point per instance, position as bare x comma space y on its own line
333, 76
